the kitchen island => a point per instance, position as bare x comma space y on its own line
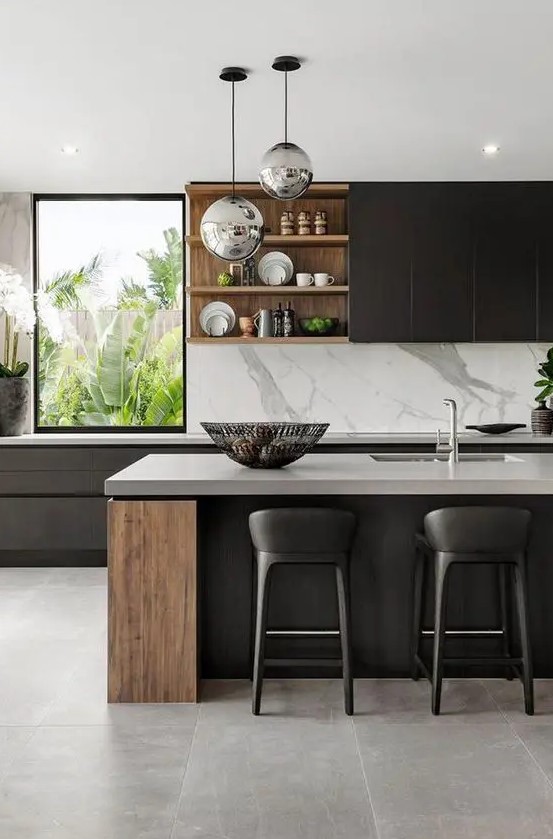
181, 570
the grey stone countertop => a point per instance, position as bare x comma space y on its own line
332, 474
336, 438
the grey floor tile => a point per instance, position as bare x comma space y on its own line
95, 783
60, 577
538, 739
33, 675
230, 700
509, 697
24, 578
386, 701
453, 771
64, 612
13, 740
274, 778
498, 826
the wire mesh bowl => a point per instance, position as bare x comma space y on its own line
265, 445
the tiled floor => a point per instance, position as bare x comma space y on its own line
74, 768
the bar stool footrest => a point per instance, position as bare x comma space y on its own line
303, 662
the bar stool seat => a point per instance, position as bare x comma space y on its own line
473, 536
313, 536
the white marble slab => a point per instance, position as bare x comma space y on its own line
330, 474
379, 388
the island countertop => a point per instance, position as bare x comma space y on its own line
193, 475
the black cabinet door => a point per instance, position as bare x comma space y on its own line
380, 230
442, 262
506, 268
411, 261
544, 201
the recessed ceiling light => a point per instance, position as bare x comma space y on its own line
490, 149
69, 149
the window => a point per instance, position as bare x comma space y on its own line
109, 335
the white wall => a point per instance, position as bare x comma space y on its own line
362, 387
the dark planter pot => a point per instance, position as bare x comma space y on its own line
542, 420
14, 402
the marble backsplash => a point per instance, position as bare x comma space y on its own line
363, 387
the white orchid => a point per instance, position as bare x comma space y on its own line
16, 303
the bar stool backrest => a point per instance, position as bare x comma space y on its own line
478, 529
302, 530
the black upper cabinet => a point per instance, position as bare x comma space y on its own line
451, 262
505, 276
380, 234
442, 263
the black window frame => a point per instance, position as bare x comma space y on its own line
91, 429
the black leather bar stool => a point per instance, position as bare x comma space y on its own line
473, 536
302, 536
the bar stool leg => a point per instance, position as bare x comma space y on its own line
522, 607
342, 587
418, 587
442, 567
264, 568
503, 580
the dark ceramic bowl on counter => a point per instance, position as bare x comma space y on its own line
265, 445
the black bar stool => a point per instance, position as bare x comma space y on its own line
302, 536
473, 536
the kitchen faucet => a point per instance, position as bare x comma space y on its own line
452, 448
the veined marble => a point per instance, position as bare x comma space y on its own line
362, 387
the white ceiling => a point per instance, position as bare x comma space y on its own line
391, 89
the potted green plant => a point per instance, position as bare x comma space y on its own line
16, 307
542, 416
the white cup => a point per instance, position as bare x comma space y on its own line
305, 279
323, 279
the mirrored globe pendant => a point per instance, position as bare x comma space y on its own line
286, 170
232, 227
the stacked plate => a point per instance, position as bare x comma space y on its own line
275, 268
217, 319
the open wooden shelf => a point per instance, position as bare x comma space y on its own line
270, 290
297, 339
327, 240
316, 190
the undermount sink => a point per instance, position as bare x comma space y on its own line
443, 458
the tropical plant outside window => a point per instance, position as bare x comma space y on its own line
110, 317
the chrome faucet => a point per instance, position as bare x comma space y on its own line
453, 446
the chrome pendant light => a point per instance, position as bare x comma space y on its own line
232, 227
286, 170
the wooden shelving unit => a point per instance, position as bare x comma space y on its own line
338, 240
266, 290
309, 254
297, 339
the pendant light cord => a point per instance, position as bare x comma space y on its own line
286, 107
233, 151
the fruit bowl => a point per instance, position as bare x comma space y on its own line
265, 445
316, 326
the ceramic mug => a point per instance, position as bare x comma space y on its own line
323, 279
247, 326
304, 279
